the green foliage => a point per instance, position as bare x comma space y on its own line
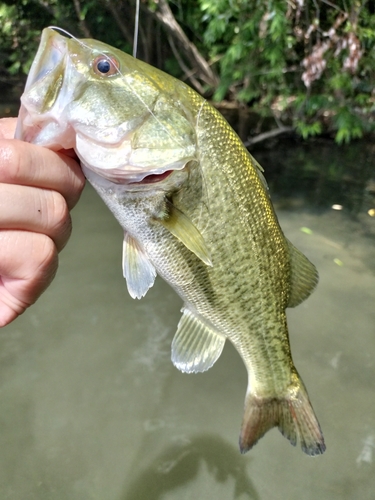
309, 64
348, 125
269, 52
308, 129
21, 24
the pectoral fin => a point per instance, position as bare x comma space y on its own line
137, 269
304, 276
196, 345
184, 230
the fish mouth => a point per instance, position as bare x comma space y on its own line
170, 179
148, 179
50, 55
154, 178
129, 178
43, 102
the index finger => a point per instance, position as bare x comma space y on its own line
32, 165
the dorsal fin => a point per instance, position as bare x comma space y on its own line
260, 171
184, 230
137, 269
304, 276
196, 345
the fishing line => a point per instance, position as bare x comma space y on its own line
136, 27
123, 76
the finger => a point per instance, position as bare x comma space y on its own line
22, 280
37, 210
32, 165
7, 128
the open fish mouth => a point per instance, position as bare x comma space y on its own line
154, 178
51, 54
132, 178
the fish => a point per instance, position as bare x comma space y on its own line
195, 209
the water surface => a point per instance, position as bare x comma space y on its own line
92, 408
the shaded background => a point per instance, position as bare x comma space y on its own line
296, 66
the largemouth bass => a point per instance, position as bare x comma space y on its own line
195, 209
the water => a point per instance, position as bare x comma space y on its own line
92, 408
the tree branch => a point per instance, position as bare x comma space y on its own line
203, 70
81, 19
189, 73
267, 135
116, 14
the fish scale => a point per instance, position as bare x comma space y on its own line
195, 209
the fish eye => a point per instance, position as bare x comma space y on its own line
105, 65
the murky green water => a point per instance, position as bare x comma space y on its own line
92, 408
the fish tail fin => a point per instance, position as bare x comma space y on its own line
292, 414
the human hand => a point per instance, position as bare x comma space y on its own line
38, 188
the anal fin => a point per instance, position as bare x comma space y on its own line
138, 271
196, 345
